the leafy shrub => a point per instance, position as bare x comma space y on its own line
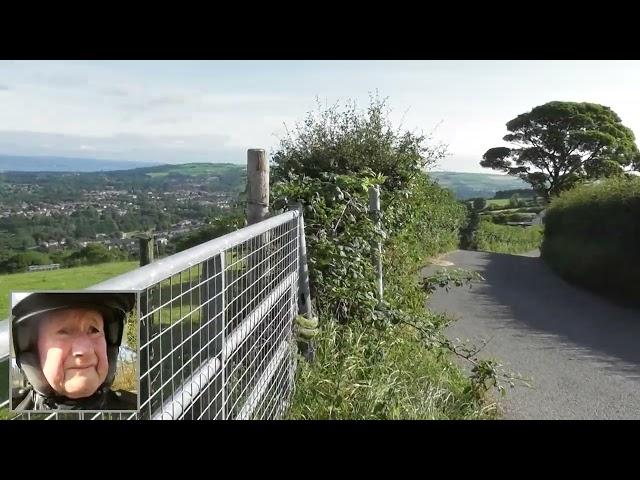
19, 262
347, 141
93, 254
479, 203
592, 234
340, 235
507, 239
376, 359
515, 201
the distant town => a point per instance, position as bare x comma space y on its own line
59, 214
119, 201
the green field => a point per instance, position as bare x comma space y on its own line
505, 210
503, 202
63, 279
193, 169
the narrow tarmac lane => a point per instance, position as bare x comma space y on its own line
581, 352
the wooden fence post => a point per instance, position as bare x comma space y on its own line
146, 249
258, 262
257, 185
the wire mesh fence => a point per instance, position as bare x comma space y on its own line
216, 327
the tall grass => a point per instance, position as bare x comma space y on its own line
391, 376
126, 377
388, 373
506, 239
592, 237
370, 363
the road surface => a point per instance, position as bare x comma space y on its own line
581, 352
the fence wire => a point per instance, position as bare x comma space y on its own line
216, 335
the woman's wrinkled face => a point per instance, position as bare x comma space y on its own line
73, 351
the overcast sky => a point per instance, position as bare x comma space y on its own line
182, 111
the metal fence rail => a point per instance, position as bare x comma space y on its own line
216, 326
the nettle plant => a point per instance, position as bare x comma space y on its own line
340, 236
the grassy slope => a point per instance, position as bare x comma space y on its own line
503, 202
63, 279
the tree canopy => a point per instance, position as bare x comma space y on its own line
558, 144
346, 141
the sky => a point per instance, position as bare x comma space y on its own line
213, 111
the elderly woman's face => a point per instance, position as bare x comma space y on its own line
73, 351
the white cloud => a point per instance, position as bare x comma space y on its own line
113, 91
182, 110
124, 146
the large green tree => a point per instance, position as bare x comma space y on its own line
558, 144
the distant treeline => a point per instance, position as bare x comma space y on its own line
521, 192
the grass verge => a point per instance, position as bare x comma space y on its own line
506, 239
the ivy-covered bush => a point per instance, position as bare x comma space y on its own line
592, 237
327, 164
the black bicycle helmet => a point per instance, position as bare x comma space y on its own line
31, 309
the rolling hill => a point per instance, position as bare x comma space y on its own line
472, 185
211, 176
18, 163
94, 172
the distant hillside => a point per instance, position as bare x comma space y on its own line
189, 170
471, 185
64, 164
212, 177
